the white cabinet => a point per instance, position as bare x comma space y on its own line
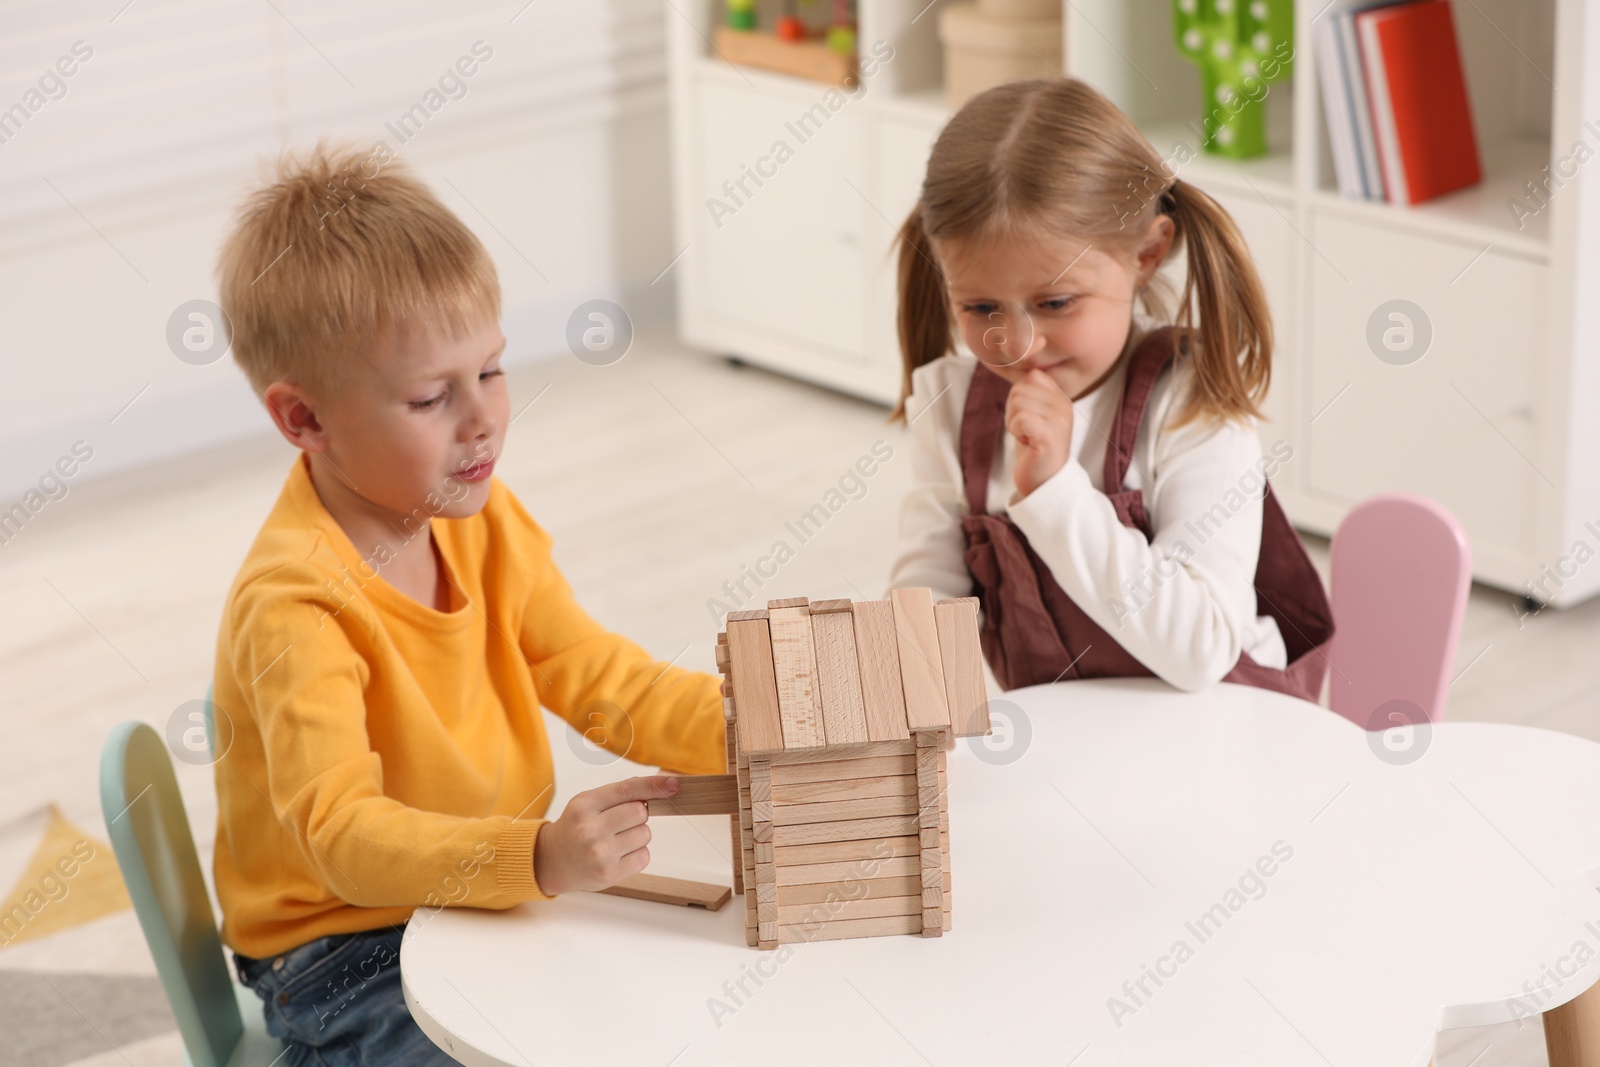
781, 225
1453, 421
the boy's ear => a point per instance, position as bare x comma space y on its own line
1153, 251
290, 407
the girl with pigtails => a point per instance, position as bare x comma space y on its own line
1085, 463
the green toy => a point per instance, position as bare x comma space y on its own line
1241, 47
742, 14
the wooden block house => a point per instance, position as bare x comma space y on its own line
839, 714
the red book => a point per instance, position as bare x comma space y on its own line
1418, 98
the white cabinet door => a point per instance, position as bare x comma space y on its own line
1449, 416
779, 223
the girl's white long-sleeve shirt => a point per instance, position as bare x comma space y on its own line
1182, 603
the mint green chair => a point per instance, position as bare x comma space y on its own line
220, 1021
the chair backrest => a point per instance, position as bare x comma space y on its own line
150, 835
1401, 571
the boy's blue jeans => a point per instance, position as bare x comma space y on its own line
336, 1001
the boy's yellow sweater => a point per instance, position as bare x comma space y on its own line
386, 755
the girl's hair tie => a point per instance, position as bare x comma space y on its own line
1169, 199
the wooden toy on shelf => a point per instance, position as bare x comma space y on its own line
838, 716
830, 59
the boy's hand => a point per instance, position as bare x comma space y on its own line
1039, 416
600, 838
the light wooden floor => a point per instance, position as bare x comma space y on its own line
660, 478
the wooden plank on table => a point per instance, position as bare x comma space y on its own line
843, 769
921, 666
806, 873
851, 830
840, 810
861, 848
897, 785
787, 602
750, 651
878, 661
844, 715
842, 928
905, 746
965, 690
823, 607
794, 661
838, 851
665, 890
700, 794
834, 911
854, 889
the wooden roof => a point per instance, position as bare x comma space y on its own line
841, 672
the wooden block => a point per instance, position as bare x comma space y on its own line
768, 934
823, 607
761, 787
764, 852
763, 832
700, 794
794, 660
843, 769
898, 785
839, 851
840, 810
722, 653
844, 715
921, 666
850, 830
878, 662
665, 890
747, 616
842, 928
932, 738
902, 747
766, 891
760, 723
738, 865
766, 911
932, 922
805, 873
787, 602
933, 897
965, 691
928, 837
761, 811
833, 911
855, 889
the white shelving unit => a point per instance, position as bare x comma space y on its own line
1499, 420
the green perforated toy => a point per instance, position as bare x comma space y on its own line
1241, 47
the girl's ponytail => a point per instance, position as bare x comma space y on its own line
1233, 363
923, 319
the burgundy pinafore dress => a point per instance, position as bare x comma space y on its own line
1032, 630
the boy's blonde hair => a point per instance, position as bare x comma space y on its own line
1054, 155
342, 245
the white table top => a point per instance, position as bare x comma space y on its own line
1418, 893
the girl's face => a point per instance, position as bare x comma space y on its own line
1060, 304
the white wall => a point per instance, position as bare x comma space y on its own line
114, 197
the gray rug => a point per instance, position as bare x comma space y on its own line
56, 1018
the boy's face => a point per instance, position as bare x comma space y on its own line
417, 423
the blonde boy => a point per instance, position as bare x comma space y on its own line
398, 622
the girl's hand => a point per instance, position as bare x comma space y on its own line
600, 838
1039, 416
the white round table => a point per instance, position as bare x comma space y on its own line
1233, 877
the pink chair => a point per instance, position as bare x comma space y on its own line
1401, 571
